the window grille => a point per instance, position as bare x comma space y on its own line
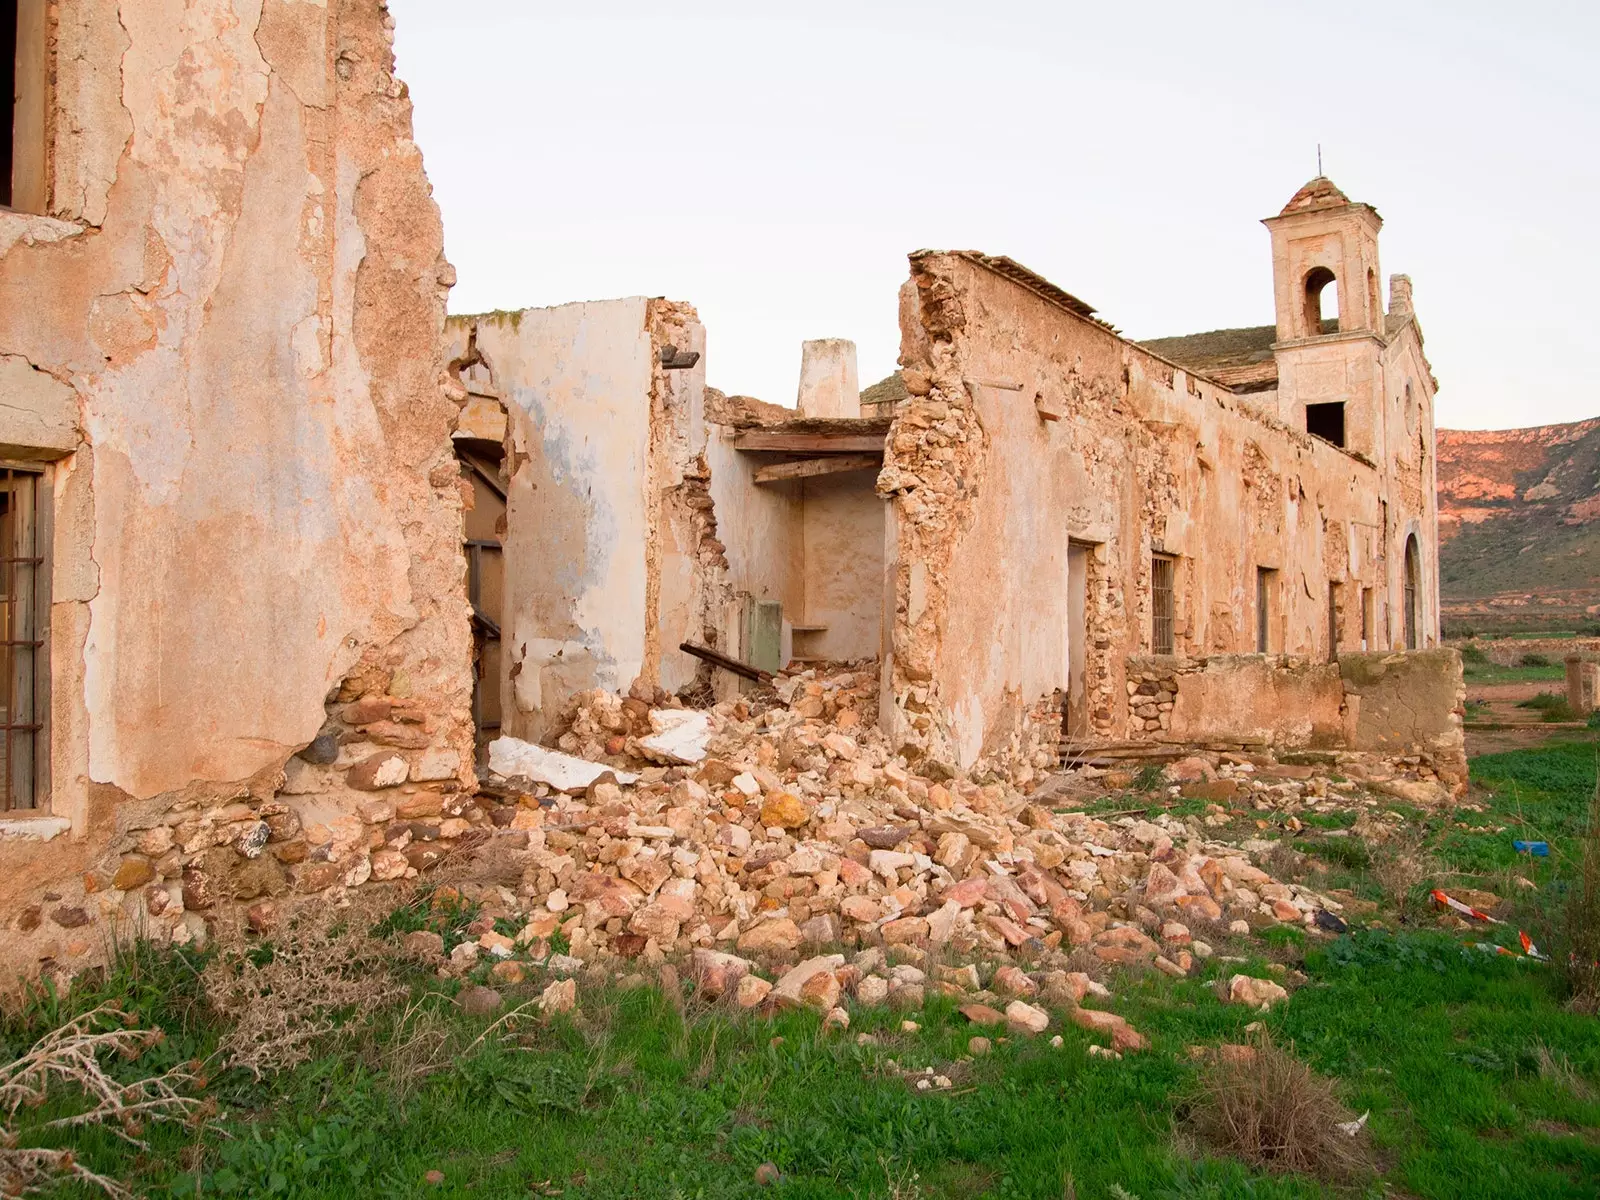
23, 578
1163, 606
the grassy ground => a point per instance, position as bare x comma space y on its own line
1480, 1083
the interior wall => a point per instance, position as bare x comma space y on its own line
842, 531
760, 528
575, 381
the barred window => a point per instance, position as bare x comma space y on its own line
24, 609
1163, 606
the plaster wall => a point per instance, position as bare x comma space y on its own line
241, 283
842, 533
608, 547
575, 381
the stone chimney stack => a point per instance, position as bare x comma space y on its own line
828, 385
1400, 295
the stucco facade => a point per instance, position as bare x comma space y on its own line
223, 325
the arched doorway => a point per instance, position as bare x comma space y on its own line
1413, 593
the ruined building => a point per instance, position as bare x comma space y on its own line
282, 551
1041, 530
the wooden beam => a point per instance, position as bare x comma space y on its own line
722, 660
807, 467
809, 443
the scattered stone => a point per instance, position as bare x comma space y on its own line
752, 991
560, 997
1025, 1018
1257, 993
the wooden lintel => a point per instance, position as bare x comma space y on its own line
833, 464
809, 443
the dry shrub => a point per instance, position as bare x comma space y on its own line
1579, 949
1400, 870
1276, 1113
70, 1056
1557, 1068
321, 970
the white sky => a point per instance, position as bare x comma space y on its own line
774, 169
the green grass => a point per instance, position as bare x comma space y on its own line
1442, 1044
1479, 1082
1488, 672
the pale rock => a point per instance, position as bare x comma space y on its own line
1025, 1018
560, 997
752, 991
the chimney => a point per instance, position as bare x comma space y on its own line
1400, 295
828, 386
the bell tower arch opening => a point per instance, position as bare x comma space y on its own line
1321, 301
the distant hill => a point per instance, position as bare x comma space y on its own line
1518, 528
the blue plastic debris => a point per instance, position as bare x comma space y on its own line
1537, 849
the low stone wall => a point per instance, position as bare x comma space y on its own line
1405, 705
1236, 699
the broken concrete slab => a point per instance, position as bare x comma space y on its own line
680, 736
512, 758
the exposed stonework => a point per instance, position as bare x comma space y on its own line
256, 521
1031, 432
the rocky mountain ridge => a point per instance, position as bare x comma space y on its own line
1519, 540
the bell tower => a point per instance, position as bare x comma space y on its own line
1319, 241
1330, 316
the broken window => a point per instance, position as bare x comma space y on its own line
22, 104
1266, 586
1326, 421
1321, 316
1368, 618
1413, 592
24, 661
1163, 606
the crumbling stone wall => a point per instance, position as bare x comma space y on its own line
1402, 706
240, 285
1030, 425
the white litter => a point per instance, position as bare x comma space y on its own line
1351, 1128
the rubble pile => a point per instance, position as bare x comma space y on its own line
783, 831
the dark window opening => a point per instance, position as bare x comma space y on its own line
1326, 421
1320, 285
1335, 619
1163, 606
1413, 593
8, 96
1266, 584
24, 82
